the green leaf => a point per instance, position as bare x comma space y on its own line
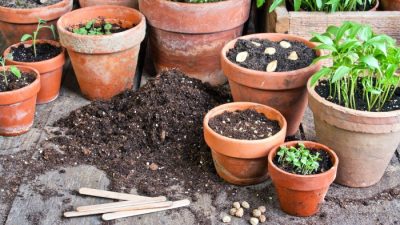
323, 72
324, 39
340, 72
26, 37
260, 3
274, 4
14, 70
326, 47
365, 33
371, 61
297, 5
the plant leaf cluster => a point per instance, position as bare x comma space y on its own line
41, 24
301, 159
91, 29
13, 69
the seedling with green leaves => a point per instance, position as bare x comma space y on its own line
41, 25
13, 69
91, 29
301, 159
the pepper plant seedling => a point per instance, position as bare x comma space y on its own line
90, 29
13, 69
34, 35
302, 160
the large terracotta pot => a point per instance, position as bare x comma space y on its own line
301, 195
364, 141
17, 107
50, 72
129, 3
190, 36
242, 162
284, 91
391, 5
16, 22
104, 65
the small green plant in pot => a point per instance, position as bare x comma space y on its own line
323, 5
356, 101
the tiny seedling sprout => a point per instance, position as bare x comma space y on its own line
13, 69
34, 35
91, 29
300, 159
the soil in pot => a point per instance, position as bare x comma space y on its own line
245, 125
14, 83
257, 54
44, 51
24, 4
98, 27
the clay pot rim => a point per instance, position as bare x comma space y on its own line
325, 148
193, 5
311, 91
227, 47
222, 108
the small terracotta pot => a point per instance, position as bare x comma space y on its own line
391, 5
104, 65
16, 22
284, 91
190, 36
301, 195
128, 3
50, 72
17, 107
242, 162
364, 141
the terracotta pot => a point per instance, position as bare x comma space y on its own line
16, 22
190, 36
364, 141
301, 195
17, 107
50, 72
104, 65
391, 5
284, 91
129, 3
242, 162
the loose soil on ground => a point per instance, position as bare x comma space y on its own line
25, 53
13, 82
23, 4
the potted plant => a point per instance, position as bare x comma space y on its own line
302, 172
46, 56
391, 5
19, 86
128, 3
240, 136
189, 35
356, 101
103, 43
271, 69
324, 6
18, 19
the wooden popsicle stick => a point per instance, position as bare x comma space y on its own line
118, 215
116, 195
116, 204
118, 209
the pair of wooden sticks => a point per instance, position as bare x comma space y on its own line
131, 205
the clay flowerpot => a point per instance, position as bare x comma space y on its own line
190, 36
50, 72
364, 141
104, 65
284, 91
16, 22
17, 107
301, 195
129, 3
242, 162
391, 5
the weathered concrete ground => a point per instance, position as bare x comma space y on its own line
42, 201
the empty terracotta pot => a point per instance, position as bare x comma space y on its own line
364, 141
16, 22
301, 195
391, 5
17, 107
104, 65
242, 162
50, 72
190, 36
129, 3
284, 91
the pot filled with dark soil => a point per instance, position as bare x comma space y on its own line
128, 3
18, 90
302, 173
190, 36
240, 136
20, 17
271, 69
103, 43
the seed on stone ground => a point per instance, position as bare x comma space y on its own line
232, 211
270, 51
245, 204
242, 56
226, 219
262, 209
256, 43
239, 213
254, 221
262, 218
256, 213
285, 44
236, 205
271, 67
293, 56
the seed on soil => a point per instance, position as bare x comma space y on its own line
236, 205
270, 51
293, 56
242, 56
285, 44
262, 209
153, 166
239, 213
271, 67
256, 43
254, 221
256, 213
226, 219
232, 211
245, 205
262, 218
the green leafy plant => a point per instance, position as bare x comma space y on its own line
13, 69
302, 160
359, 55
41, 24
91, 29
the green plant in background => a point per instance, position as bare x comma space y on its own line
13, 69
302, 160
90, 29
359, 56
34, 35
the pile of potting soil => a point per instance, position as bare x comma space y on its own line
150, 139
23, 4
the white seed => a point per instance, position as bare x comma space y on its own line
262, 209
293, 56
239, 213
256, 43
271, 67
226, 219
232, 211
262, 218
256, 213
285, 44
254, 221
242, 56
270, 51
236, 205
245, 205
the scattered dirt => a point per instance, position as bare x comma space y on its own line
24, 4
26, 53
258, 60
13, 82
244, 125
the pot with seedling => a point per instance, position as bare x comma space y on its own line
324, 6
103, 43
302, 173
240, 136
46, 56
271, 69
128, 3
356, 101
19, 86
